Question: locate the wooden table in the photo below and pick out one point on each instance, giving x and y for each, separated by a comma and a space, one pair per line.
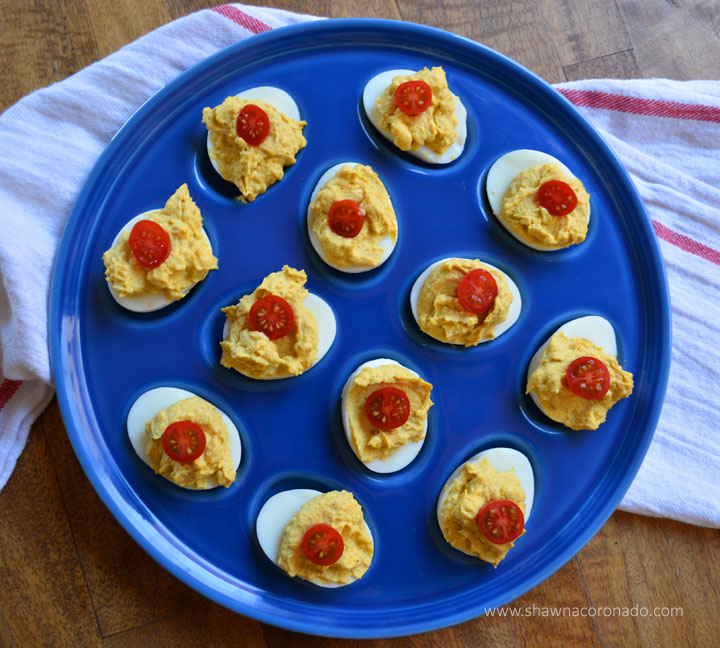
71, 576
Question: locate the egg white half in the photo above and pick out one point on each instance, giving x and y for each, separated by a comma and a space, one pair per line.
503, 172
327, 328
275, 515
150, 403
376, 87
513, 311
502, 459
406, 453
148, 302
269, 94
386, 243
593, 328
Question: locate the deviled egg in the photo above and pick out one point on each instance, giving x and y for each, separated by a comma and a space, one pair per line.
484, 505
574, 377
418, 113
279, 330
538, 200
464, 301
159, 255
350, 218
252, 137
384, 408
184, 438
320, 537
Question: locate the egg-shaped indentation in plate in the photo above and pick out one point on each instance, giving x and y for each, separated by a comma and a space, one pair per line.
386, 243
406, 453
327, 328
154, 400
501, 459
593, 328
376, 87
148, 302
275, 515
504, 170
502, 327
269, 94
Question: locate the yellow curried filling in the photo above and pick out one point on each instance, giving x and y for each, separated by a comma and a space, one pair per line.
434, 127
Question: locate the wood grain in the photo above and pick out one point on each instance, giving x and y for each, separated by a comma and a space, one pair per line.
674, 40
43, 594
565, 589
201, 623
621, 65
279, 638
42, 42
515, 29
658, 569
126, 587
568, 25
71, 576
127, 16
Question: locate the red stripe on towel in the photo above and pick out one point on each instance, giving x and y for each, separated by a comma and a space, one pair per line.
686, 243
638, 106
7, 390
241, 18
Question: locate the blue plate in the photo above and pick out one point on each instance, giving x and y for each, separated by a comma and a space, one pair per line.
104, 357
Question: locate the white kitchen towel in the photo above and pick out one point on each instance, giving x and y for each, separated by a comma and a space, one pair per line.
665, 132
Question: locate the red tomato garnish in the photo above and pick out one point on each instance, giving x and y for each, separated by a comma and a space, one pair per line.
413, 97
557, 197
501, 521
322, 544
273, 316
346, 218
588, 377
387, 408
149, 243
477, 291
183, 441
253, 124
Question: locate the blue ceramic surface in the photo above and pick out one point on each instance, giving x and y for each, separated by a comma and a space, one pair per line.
104, 357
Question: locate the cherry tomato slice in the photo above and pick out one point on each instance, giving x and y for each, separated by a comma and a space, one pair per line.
322, 544
501, 521
413, 97
588, 377
149, 243
346, 218
183, 441
557, 197
387, 408
477, 291
273, 316
252, 124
